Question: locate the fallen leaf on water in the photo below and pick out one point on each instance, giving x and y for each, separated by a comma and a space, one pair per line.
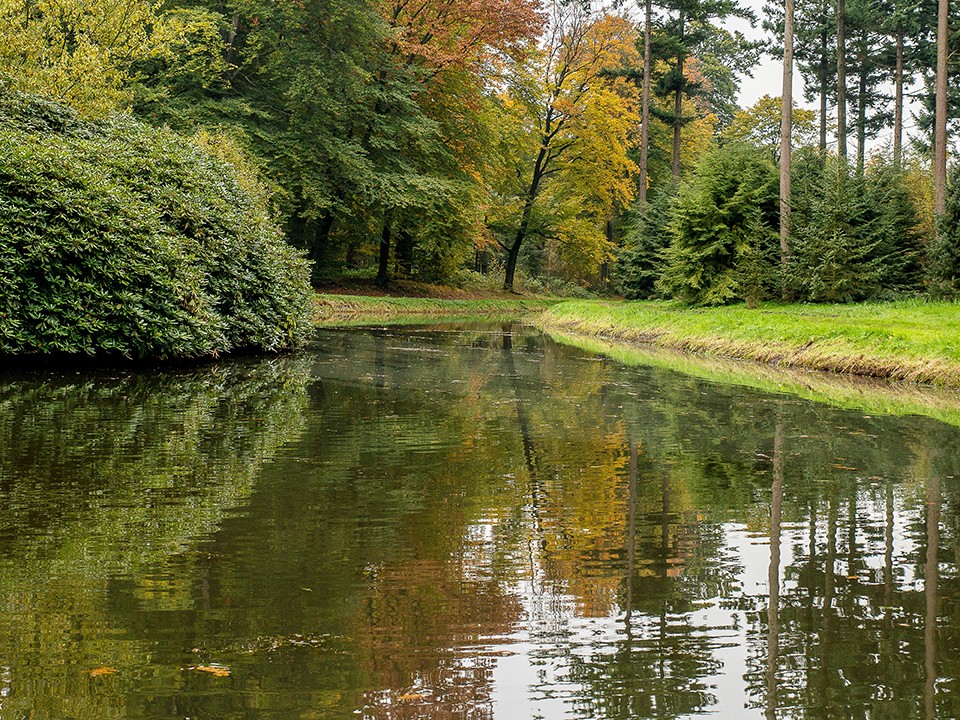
97, 672
410, 697
215, 670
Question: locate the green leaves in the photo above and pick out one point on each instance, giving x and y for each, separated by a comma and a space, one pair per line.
119, 239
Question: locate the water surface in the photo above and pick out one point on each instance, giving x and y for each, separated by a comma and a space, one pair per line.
468, 523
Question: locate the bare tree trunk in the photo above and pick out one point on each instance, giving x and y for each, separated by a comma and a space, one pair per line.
677, 124
862, 103
786, 129
824, 79
645, 106
383, 270
841, 79
898, 102
940, 122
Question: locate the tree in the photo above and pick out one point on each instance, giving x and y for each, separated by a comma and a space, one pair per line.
759, 125
722, 237
786, 131
571, 125
686, 33
79, 52
940, 123
842, 79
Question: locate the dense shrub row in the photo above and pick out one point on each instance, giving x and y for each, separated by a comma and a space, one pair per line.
856, 236
121, 239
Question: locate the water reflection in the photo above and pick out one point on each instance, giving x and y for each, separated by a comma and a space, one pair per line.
469, 523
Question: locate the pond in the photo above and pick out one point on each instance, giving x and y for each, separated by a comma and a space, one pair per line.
468, 522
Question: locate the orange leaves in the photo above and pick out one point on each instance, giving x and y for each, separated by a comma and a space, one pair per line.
102, 671
460, 33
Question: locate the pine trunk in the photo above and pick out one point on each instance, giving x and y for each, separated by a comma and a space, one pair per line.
841, 79
645, 106
940, 127
898, 103
786, 128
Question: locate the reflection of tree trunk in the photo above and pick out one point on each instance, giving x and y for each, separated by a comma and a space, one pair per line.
526, 438
888, 558
631, 533
931, 581
380, 360
828, 579
665, 522
773, 575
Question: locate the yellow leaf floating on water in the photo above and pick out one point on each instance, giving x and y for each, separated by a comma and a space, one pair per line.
100, 671
410, 697
215, 670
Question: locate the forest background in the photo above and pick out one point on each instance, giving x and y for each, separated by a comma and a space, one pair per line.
500, 143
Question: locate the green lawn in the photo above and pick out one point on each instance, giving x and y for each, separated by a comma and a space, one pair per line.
908, 340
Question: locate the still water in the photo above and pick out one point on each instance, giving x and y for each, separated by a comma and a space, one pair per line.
468, 523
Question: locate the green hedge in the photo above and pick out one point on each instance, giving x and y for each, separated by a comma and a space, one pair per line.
119, 239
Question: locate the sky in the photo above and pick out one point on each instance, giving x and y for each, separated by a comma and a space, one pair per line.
768, 75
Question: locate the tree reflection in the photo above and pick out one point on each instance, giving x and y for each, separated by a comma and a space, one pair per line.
418, 512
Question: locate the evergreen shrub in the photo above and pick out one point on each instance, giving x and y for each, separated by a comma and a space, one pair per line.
118, 239
944, 263
854, 235
723, 224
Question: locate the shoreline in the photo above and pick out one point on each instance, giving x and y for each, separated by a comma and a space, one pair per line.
908, 341
335, 309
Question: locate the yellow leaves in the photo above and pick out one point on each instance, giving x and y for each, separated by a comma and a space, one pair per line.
102, 671
760, 124
410, 697
75, 51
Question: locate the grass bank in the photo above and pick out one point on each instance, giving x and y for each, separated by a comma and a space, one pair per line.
913, 341
332, 309
868, 395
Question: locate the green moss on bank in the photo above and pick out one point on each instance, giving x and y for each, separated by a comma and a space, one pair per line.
914, 341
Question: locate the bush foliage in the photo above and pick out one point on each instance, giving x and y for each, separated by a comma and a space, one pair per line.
722, 227
120, 239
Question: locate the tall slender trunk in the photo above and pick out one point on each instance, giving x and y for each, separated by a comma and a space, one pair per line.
383, 270
678, 110
645, 105
862, 103
824, 79
677, 124
940, 121
841, 79
786, 130
513, 251
898, 102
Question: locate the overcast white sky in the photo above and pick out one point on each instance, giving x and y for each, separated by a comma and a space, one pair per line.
768, 79
768, 75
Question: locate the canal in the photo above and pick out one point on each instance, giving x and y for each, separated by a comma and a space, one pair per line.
469, 522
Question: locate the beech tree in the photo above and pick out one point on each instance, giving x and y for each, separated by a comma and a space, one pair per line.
572, 127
